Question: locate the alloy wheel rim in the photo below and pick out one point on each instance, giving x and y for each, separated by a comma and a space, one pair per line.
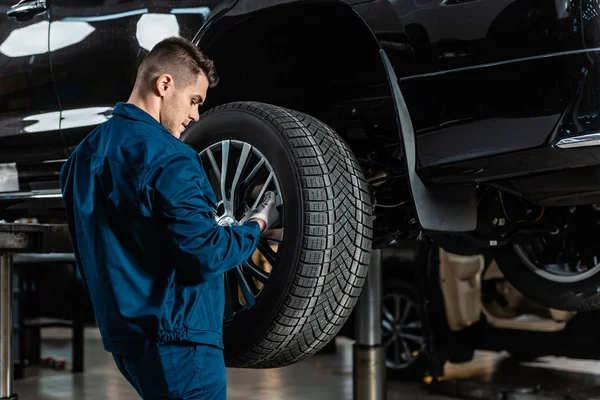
403, 335
240, 175
559, 272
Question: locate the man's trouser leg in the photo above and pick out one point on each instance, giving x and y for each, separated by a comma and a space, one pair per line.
176, 370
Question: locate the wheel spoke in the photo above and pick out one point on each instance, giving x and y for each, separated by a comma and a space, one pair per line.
413, 338
388, 315
262, 191
387, 326
413, 325
406, 350
254, 171
213, 162
252, 286
390, 340
256, 272
238, 172
267, 252
224, 162
246, 291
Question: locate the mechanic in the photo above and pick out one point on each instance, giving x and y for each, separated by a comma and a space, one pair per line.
141, 220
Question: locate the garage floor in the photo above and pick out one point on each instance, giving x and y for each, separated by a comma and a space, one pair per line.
320, 377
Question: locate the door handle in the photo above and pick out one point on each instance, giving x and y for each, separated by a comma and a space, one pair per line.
26, 10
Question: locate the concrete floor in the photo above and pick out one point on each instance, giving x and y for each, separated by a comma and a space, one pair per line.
324, 376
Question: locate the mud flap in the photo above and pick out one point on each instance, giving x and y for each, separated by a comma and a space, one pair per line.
438, 208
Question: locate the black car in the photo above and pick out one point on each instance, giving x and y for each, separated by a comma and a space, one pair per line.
472, 123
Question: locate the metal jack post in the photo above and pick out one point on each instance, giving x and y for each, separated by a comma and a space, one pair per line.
369, 354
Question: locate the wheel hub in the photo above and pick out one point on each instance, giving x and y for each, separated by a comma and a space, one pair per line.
226, 220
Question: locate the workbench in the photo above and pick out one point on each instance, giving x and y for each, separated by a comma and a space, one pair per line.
16, 239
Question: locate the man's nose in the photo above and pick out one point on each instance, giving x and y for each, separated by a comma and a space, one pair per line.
194, 115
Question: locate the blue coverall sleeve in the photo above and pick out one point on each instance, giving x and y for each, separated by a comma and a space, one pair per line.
180, 195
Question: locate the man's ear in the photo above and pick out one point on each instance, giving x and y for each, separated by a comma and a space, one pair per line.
164, 83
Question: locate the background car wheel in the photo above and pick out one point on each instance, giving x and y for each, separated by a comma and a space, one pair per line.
295, 293
553, 272
402, 332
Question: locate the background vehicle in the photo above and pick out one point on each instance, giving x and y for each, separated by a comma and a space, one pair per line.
466, 305
373, 120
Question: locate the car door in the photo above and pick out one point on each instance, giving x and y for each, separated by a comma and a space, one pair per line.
104, 42
29, 110
488, 76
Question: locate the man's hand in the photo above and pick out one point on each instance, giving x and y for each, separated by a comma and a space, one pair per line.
266, 213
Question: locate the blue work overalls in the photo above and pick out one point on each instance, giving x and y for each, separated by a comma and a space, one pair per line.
151, 254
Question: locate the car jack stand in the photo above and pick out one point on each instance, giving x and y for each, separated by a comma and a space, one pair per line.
369, 380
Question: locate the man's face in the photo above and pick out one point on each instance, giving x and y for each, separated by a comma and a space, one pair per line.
180, 105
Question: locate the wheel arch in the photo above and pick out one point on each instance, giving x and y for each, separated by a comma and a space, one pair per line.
307, 56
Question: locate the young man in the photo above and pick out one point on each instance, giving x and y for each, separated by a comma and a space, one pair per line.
144, 235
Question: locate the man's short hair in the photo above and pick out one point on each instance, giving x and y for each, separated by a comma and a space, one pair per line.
181, 59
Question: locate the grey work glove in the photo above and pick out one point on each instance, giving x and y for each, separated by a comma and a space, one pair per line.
266, 211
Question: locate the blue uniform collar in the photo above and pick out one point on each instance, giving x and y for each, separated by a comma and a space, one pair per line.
132, 111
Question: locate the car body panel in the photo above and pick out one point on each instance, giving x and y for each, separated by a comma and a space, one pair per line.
490, 85
495, 78
29, 109
96, 48
98, 70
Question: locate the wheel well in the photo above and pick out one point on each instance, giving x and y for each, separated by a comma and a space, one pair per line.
321, 59
297, 56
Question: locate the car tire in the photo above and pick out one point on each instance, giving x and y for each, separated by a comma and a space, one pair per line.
581, 295
322, 261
